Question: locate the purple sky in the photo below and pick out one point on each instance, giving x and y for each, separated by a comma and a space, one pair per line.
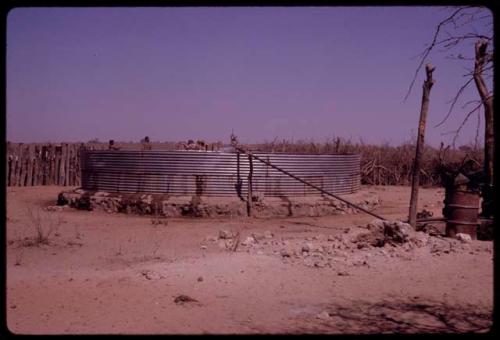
304, 73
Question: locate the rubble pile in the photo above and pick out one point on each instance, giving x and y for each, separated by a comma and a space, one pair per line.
378, 239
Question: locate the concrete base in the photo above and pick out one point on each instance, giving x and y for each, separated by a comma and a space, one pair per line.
200, 206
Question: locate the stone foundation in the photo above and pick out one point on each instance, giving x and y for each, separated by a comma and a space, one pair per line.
200, 206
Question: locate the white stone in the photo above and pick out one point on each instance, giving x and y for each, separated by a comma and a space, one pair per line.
324, 315
248, 241
464, 238
225, 234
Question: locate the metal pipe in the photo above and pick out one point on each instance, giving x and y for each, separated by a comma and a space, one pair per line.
309, 184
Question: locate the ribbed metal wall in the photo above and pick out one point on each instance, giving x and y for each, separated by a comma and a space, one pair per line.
216, 173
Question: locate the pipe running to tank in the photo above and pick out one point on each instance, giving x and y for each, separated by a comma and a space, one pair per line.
240, 149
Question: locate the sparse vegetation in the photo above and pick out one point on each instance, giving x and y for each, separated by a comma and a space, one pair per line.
19, 257
42, 233
384, 164
381, 164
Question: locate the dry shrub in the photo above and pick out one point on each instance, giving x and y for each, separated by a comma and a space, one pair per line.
384, 164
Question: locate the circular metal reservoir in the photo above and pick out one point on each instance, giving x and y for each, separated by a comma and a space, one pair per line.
217, 173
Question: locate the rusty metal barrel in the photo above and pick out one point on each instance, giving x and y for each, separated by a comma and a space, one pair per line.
461, 212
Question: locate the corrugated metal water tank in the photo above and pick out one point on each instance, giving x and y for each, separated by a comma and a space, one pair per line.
216, 173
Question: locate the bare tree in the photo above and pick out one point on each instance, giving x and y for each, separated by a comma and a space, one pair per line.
469, 24
420, 144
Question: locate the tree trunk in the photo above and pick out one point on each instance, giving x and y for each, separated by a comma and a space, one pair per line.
482, 57
420, 144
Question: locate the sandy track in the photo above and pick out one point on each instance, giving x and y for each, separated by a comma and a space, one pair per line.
114, 273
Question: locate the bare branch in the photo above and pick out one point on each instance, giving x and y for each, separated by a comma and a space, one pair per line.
454, 101
431, 46
462, 16
478, 109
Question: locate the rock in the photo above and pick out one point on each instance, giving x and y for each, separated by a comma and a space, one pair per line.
320, 264
181, 299
464, 238
307, 247
398, 232
200, 278
257, 236
225, 234
419, 239
203, 247
331, 238
362, 245
342, 273
221, 244
324, 315
248, 241
150, 275
309, 262
268, 234
285, 253
56, 207
211, 239
424, 214
61, 199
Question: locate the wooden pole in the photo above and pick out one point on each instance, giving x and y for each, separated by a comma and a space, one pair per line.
52, 162
61, 165
249, 191
71, 164
66, 164
19, 161
29, 177
36, 162
481, 59
11, 163
420, 144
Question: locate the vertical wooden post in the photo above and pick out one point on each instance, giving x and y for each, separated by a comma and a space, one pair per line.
249, 191
71, 166
420, 144
35, 165
61, 165
51, 162
29, 177
66, 164
77, 164
19, 161
10, 161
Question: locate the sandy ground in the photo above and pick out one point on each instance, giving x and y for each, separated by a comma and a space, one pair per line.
96, 272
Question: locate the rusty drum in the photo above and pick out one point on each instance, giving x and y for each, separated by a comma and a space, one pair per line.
461, 212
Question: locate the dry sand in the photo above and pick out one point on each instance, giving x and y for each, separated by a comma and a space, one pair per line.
104, 273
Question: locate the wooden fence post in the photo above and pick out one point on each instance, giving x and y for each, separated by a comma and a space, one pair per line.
66, 165
249, 191
62, 154
420, 145
12, 164
35, 166
29, 177
52, 162
18, 164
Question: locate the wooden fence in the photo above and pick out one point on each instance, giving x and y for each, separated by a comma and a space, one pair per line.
30, 164
44, 164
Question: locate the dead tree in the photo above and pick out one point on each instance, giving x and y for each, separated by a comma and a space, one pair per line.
420, 144
470, 24
482, 57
